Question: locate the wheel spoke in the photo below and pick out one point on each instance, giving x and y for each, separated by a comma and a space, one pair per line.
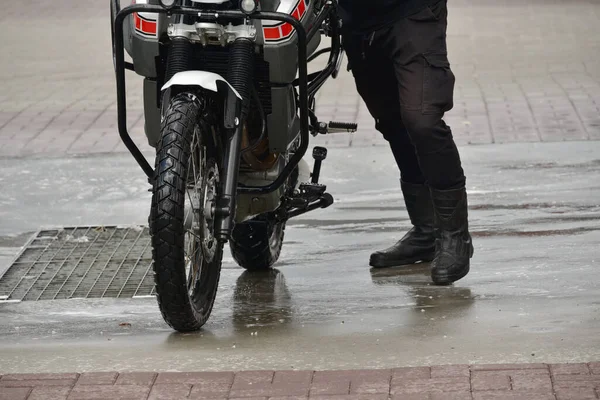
194, 235
195, 185
192, 260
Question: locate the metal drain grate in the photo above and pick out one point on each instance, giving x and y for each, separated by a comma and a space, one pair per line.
82, 262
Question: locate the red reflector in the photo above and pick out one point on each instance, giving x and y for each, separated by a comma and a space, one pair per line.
301, 8
138, 21
286, 29
149, 27
272, 33
296, 13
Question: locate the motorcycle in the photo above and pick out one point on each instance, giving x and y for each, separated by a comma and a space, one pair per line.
229, 107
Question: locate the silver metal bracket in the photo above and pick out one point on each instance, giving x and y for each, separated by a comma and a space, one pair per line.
210, 33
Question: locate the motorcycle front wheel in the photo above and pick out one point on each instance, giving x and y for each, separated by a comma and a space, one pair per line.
186, 256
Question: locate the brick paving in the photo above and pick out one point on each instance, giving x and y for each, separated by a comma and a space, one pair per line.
447, 382
526, 71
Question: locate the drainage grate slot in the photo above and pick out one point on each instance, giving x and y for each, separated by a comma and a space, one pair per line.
82, 262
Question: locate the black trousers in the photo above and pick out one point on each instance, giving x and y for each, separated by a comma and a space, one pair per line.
403, 75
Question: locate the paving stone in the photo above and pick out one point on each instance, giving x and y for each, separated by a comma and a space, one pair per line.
575, 381
210, 389
170, 391
511, 395
500, 367
113, 392
256, 398
352, 397
37, 382
347, 375
435, 396
97, 378
246, 379
196, 378
451, 384
331, 387
212, 397
9, 393
570, 369
410, 373
271, 384
440, 371
271, 391
490, 380
136, 378
366, 385
50, 393
531, 382
295, 377
575, 394
29, 377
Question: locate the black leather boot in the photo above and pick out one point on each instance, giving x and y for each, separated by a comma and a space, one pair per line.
419, 243
454, 247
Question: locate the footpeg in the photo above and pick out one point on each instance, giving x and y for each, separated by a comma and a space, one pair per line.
333, 127
336, 127
312, 191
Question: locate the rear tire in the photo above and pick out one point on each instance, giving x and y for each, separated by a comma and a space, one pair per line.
256, 244
187, 258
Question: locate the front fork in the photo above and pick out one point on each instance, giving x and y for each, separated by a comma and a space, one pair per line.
239, 75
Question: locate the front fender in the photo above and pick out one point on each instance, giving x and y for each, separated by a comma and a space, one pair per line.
204, 79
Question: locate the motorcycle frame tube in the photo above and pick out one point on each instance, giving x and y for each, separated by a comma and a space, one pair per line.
334, 56
212, 16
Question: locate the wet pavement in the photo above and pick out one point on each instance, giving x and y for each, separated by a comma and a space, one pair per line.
532, 295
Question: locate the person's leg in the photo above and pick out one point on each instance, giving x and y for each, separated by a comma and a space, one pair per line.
426, 88
375, 80
376, 83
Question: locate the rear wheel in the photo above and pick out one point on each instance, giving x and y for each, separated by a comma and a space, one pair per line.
256, 244
187, 257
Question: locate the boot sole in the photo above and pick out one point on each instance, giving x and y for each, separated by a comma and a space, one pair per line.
399, 263
442, 280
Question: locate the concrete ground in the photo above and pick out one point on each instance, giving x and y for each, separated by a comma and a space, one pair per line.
528, 94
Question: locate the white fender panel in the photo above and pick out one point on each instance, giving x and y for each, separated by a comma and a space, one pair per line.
204, 79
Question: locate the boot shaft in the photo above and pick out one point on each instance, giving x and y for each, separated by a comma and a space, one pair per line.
417, 198
450, 209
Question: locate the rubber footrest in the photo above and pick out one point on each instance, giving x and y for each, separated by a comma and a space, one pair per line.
342, 126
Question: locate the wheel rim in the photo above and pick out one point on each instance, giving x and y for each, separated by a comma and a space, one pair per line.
200, 244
